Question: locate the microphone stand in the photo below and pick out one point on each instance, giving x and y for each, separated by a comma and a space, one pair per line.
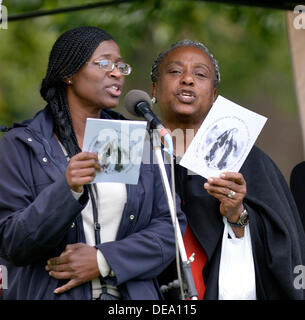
186, 263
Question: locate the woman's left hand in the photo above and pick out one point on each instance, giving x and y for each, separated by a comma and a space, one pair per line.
230, 189
78, 263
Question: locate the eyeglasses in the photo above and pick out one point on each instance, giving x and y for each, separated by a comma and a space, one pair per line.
108, 65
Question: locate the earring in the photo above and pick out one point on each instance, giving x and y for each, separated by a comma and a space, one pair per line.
69, 81
153, 100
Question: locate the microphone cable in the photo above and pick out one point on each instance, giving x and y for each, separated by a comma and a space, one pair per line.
178, 266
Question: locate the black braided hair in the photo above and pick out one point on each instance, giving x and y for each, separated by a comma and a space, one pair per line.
70, 51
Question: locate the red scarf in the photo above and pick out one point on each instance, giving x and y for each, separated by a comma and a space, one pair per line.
192, 245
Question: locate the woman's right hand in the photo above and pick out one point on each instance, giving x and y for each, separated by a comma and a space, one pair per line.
81, 170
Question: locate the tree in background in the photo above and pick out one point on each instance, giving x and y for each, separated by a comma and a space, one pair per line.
250, 44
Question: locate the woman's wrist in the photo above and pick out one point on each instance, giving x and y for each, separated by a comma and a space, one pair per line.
233, 218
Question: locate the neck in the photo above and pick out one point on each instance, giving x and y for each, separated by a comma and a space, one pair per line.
183, 132
79, 117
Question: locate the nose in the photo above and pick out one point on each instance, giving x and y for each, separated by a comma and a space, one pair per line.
187, 79
115, 72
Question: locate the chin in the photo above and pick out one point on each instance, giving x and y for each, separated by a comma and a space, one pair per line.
185, 110
109, 104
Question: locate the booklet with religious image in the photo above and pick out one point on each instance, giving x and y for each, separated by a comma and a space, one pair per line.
119, 145
224, 139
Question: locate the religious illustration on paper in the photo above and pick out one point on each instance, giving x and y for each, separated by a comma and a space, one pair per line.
224, 139
119, 146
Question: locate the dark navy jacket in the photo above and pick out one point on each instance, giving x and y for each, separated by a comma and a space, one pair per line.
39, 216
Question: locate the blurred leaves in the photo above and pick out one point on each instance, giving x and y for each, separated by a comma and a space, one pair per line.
249, 43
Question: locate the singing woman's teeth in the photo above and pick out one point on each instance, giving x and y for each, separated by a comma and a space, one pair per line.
186, 96
114, 90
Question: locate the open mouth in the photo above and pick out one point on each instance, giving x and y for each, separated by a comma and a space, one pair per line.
186, 96
114, 90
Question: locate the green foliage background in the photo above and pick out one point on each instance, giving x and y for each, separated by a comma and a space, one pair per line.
250, 44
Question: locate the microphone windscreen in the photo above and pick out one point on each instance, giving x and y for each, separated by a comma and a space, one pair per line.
133, 97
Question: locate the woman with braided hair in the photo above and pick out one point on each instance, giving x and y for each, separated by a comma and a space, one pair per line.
60, 236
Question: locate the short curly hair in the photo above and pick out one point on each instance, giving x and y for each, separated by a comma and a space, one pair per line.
184, 43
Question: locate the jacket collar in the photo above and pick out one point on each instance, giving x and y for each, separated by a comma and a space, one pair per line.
42, 123
38, 134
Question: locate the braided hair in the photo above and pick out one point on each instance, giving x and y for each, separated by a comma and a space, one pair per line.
69, 53
184, 43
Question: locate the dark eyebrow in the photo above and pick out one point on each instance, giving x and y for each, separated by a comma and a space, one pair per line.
196, 65
107, 56
202, 65
174, 62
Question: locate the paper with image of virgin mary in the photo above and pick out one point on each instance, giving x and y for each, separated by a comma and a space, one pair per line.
224, 139
119, 146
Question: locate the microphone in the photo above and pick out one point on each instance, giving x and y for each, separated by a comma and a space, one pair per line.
138, 103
